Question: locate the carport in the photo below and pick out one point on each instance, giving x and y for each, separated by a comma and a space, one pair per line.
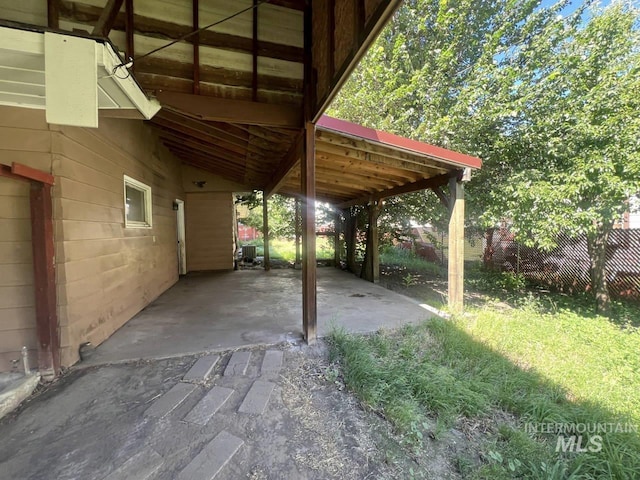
337, 162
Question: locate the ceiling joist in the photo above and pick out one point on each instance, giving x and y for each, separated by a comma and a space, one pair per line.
107, 18
233, 111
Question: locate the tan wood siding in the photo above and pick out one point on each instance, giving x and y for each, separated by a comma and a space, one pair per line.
24, 138
106, 272
17, 317
209, 231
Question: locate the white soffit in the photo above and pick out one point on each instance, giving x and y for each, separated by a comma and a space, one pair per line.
55, 74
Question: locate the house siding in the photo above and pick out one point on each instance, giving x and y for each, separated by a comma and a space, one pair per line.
24, 138
209, 231
105, 273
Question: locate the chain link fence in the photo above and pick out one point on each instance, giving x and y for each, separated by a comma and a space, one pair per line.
567, 267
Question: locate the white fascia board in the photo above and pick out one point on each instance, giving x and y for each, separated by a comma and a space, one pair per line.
21, 41
110, 61
22, 61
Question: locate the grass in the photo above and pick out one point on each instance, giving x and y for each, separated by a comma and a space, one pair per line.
542, 359
285, 249
407, 260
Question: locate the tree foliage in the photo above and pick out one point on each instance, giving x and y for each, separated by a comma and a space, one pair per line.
549, 102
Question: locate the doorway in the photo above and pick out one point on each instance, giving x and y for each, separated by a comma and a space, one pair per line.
182, 250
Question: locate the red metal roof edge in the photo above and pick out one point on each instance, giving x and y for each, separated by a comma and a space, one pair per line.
396, 141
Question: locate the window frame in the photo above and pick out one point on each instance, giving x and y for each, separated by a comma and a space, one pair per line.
148, 203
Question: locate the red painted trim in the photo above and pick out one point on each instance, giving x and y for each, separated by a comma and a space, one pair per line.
397, 142
5, 171
28, 173
44, 278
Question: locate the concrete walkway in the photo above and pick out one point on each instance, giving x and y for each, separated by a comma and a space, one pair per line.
208, 312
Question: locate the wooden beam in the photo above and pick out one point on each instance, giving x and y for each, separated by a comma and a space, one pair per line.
5, 171
189, 133
291, 4
359, 19
444, 200
362, 182
344, 143
338, 162
207, 148
288, 163
53, 14
372, 29
129, 29
423, 184
265, 231
107, 18
331, 44
309, 86
254, 53
177, 70
233, 111
196, 46
29, 173
309, 299
44, 280
456, 245
421, 166
158, 28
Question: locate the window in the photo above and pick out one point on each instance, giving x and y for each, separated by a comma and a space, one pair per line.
137, 204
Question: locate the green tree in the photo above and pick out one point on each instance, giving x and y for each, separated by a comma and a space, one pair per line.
570, 103
549, 102
281, 215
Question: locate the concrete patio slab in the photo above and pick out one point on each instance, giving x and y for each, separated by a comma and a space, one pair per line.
212, 312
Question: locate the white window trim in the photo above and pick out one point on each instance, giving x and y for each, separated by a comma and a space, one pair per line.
148, 201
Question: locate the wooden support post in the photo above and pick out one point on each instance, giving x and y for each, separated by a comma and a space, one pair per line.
371, 267
265, 230
309, 300
53, 14
350, 237
298, 229
337, 227
44, 280
456, 244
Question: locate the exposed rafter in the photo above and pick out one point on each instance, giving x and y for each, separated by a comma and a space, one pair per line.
288, 163
196, 46
107, 18
53, 13
161, 28
233, 111
423, 184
